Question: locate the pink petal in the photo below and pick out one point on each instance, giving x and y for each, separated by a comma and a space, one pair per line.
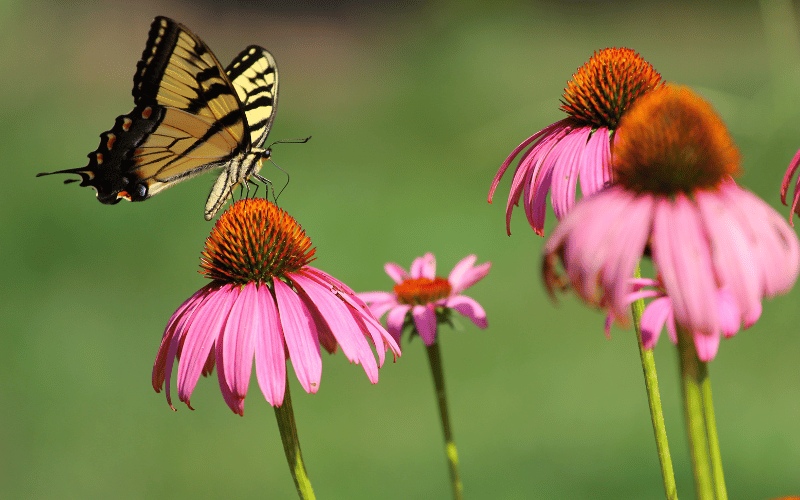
774, 243
300, 335
595, 170
203, 331
382, 308
425, 322
397, 273
731, 239
468, 307
380, 337
729, 314
175, 325
341, 323
378, 297
270, 350
524, 170
424, 267
464, 275
706, 345
682, 256
235, 403
653, 319
395, 320
238, 342
566, 163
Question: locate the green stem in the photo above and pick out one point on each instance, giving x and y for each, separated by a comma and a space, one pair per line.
713, 441
435, 360
693, 375
654, 400
291, 446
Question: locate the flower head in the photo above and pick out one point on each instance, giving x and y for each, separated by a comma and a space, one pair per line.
427, 297
264, 303
596, 98
717, 248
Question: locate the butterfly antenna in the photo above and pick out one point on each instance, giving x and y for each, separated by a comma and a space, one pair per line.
290, 141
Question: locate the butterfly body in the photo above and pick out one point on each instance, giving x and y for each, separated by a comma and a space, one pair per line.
190, 116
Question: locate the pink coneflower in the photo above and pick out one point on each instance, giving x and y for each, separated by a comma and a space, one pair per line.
265, 302
717, 248
576, 147
428, 297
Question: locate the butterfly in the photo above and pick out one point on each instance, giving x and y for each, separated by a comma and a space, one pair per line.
190, 116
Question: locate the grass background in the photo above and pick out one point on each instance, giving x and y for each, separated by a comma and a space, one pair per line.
412, 108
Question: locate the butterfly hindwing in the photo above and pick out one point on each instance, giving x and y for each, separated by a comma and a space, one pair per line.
255, 77
189, 117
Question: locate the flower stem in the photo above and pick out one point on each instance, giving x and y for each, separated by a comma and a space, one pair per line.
654, 400
693, 375
291, 446
713, 442
435, 360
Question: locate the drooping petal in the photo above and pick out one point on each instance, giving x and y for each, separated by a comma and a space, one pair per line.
270, 350
464, 275
175, 325
238, 341
397, 273
336, 314
681, 255
469, 307
526, 168
653, 319
595, 170
203, 331
774, 243
300, 335
395, 320
370, 325
706, 345
425, 322
235, 403
729, 315
565, 164
731, 240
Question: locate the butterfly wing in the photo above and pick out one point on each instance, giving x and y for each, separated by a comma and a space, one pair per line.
188, 118
254, 76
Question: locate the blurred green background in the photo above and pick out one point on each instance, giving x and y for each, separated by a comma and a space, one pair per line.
412, 108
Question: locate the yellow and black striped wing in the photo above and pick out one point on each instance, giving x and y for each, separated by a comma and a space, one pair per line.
188, 118
255, 77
